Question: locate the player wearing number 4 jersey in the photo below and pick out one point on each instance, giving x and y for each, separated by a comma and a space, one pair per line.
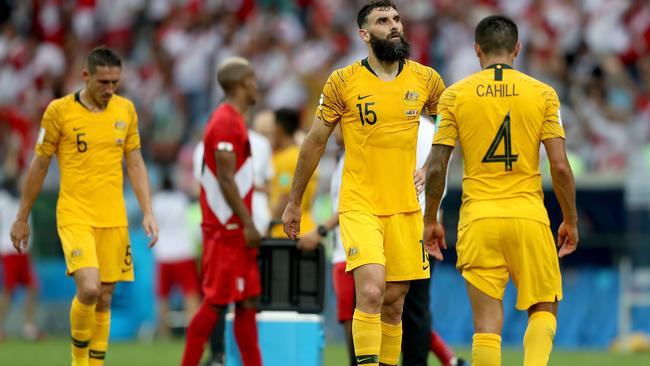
91, 132
377, 102
501, 116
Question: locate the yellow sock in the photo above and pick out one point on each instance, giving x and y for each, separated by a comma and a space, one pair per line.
486, 349
538, 340
366, 332
391, 343
99, 341
82, 321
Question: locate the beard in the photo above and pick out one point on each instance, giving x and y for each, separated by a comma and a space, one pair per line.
388, 50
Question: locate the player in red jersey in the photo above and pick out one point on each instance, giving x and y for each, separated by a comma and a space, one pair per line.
230, 272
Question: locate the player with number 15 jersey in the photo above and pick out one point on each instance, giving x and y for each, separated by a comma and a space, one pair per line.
379, 121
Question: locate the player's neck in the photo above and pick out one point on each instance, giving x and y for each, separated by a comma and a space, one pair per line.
492, 60
385, 70
239, 105
90, 103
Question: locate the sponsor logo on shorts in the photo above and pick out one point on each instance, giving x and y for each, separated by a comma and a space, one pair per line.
75, 253
240, 284
353, 252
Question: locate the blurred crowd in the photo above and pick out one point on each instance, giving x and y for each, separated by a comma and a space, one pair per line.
595, 53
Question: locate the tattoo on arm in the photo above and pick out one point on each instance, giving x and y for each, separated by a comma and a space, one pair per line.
436, 179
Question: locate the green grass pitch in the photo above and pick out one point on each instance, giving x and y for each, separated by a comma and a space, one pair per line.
55, 352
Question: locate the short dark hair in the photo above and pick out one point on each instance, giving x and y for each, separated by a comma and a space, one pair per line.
496, 34
102, 57
288, 119
362, 16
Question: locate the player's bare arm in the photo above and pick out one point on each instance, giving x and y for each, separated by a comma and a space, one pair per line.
226, 162
434, 235
30, 190
310, 153
565, 191
139, 179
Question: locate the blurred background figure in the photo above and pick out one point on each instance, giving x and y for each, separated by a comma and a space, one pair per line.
285, 158
263, 174
16, 268
176, 257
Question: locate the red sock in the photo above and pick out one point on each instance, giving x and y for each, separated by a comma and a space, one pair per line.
246, 335
442, 351
198, 333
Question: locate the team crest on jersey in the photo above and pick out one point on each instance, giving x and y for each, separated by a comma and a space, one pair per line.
411, 95
120, 125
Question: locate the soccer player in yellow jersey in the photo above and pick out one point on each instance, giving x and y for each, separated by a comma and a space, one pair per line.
91, 131
377, 102
501, 117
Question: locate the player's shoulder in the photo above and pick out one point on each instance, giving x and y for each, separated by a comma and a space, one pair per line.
344, 74
536, 84
59, 105
123, 102
422, 71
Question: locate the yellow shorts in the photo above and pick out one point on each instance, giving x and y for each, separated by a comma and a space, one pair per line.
490, 249
108, 249
393, 241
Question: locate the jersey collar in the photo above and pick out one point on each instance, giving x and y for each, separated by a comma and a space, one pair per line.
366, 64
499, 66
498, 70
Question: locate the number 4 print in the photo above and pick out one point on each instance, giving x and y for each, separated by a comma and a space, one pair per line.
508, 157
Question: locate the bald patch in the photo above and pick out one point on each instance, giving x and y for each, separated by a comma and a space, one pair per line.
232, 72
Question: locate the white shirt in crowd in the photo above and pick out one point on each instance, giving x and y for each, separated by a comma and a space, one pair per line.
175, 241
9, 206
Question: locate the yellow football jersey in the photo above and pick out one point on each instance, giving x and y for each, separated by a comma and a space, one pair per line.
500, 116
284, 164
90, 147
379, 120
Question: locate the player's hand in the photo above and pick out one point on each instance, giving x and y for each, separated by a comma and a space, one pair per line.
309, 241
20, 235
291, 220
151, 229
434, 240
567, 238
419, 177
252, 236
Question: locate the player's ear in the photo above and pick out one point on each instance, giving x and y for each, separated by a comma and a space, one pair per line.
477, 49
364, 34
517, 49
85, 74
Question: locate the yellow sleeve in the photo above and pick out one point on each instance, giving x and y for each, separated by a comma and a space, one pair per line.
435, 86
50, 132
552, 126
132, 135
446, 126
331, 104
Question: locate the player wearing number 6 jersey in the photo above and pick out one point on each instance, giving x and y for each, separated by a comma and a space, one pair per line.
501, 116
377, 102
91, 132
